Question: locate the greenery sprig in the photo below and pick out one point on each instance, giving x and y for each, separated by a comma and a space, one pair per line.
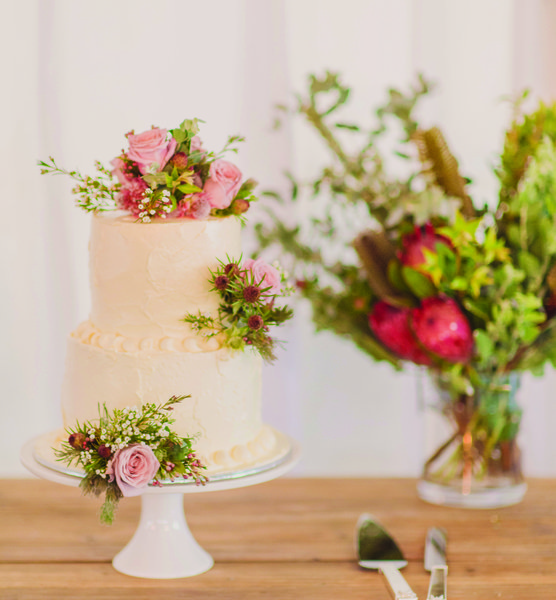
99, 447
248, 308
93, 194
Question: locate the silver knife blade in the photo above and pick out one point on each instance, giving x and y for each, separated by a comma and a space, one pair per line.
435, 548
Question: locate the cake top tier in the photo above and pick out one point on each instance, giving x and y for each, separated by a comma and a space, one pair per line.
146, 278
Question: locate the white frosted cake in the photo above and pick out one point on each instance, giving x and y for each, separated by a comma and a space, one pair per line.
135, 348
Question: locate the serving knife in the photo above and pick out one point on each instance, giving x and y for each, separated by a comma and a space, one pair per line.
435, 562
376, 549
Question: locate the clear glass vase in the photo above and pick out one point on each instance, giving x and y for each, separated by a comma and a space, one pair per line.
473, 456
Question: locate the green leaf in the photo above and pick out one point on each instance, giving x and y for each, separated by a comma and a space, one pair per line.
179, 135
189, 188
394, 272
419, 284
484, 342
529, 263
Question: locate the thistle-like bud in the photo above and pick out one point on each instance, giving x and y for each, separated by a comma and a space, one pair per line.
255, 322
179, 160
221, 282
104, 451
231, 270
251, 293
76, 440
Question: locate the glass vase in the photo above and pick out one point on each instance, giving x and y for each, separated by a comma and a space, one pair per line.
473, 456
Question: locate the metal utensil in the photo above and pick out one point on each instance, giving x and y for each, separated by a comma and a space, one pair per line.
377, 550
435, 562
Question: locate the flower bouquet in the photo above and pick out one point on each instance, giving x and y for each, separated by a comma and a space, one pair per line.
164, 174
411, 270
124, 450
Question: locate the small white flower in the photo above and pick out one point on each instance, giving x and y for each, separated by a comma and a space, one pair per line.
153, 212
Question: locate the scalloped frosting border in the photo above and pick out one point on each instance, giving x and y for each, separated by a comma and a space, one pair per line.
87, 333
261, 445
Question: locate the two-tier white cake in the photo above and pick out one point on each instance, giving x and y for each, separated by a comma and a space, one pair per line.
135, 348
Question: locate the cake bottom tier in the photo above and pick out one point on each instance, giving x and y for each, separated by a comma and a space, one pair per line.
223, 412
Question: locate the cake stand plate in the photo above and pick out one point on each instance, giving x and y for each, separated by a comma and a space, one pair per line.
163, 547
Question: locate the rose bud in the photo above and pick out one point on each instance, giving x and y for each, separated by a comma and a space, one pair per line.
76, 440
412, 254
255, 322
443, 329
239, 206
231, 270
104, 451
391, 326
251, 293
221, 282
179, 160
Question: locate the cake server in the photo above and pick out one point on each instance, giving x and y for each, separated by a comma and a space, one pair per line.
435, 562
377, 550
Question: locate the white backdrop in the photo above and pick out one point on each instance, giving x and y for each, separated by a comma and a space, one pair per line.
76, 76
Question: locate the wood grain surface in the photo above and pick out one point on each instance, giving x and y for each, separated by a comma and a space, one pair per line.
290, 538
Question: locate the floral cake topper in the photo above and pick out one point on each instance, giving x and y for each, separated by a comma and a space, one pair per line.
125, 450
164, 173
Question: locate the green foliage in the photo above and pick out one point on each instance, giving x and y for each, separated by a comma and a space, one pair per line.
499, 266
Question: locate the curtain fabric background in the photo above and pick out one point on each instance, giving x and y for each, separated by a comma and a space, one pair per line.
77, 76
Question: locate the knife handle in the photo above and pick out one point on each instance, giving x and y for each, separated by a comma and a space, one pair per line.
399, 587
437, 586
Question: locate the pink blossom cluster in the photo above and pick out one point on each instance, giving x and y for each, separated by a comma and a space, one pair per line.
437, 328
150, 152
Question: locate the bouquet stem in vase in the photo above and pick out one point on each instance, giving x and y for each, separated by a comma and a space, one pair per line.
473, 460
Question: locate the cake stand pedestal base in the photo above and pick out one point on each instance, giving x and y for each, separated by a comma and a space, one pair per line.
162, 547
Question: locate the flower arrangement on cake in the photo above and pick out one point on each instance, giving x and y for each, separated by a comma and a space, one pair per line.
126, 449
164, 174
413, 272
249, 292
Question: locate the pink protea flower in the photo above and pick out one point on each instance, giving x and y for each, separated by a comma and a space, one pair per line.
391, 326
131, 194
442, 328
413, 244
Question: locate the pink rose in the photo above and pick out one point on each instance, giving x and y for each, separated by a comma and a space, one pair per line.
223, 183
199, 207
133, 467
120, 170
265, 274
196, 145
151, 148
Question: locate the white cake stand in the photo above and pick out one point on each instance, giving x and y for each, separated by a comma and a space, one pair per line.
163, 547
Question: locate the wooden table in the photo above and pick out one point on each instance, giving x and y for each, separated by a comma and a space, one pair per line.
287, 539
